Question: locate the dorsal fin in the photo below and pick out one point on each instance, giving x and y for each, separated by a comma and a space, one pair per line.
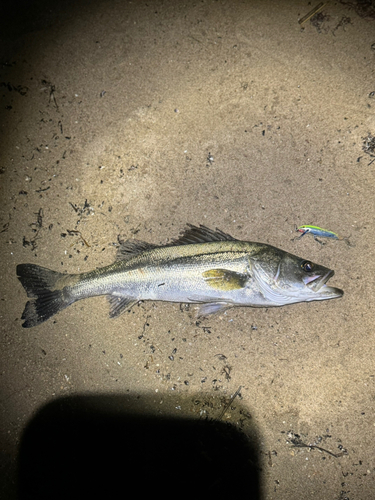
193, 234
201, 234
129, 248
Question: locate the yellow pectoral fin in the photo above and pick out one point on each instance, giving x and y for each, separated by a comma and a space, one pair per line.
225, 280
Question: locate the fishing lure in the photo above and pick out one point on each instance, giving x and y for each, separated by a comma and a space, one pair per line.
318, 231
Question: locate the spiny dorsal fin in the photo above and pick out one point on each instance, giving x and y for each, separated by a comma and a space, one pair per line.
201, 234
129, 248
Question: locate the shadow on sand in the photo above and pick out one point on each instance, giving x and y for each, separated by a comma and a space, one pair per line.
110, 447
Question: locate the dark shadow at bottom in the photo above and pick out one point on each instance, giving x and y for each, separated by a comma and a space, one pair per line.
77, 446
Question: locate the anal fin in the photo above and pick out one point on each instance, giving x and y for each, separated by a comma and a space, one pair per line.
118, 305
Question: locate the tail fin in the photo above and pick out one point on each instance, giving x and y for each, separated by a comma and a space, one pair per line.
39, 284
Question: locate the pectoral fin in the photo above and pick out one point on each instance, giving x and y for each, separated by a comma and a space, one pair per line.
223, 279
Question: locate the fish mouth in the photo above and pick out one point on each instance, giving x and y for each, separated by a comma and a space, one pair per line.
318, 284
316, 281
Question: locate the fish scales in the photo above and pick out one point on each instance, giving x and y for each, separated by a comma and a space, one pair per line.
203, 266
165, 273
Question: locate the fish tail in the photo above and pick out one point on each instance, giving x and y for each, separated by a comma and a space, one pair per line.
39, 284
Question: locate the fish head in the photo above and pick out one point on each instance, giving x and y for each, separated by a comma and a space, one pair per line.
285, 278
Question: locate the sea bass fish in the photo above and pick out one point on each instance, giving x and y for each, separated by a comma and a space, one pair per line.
202, 266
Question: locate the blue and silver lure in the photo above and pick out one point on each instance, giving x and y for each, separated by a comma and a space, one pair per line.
318, 231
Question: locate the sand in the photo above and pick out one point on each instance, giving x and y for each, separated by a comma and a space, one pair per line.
131, 119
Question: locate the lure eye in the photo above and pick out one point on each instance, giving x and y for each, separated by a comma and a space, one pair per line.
307, 266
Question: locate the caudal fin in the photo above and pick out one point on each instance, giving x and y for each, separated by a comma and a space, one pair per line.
39, 284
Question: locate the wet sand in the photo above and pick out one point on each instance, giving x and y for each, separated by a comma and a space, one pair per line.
131, 119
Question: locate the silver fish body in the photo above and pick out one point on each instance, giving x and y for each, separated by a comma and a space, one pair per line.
204, 267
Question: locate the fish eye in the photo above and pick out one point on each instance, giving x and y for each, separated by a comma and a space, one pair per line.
307, 266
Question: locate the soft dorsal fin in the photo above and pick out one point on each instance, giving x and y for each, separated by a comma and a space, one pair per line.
129, 248
201, 234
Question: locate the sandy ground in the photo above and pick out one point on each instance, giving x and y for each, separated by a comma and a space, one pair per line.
134, 118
